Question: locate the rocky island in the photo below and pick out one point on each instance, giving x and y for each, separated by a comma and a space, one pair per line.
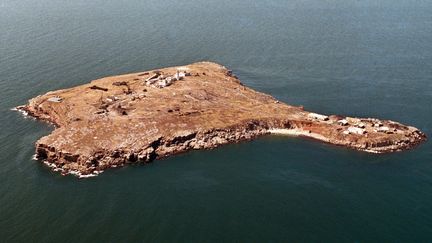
140, 117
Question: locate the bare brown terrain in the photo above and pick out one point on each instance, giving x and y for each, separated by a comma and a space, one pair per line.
136, 118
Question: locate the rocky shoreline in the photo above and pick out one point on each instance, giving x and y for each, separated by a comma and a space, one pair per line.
137, 118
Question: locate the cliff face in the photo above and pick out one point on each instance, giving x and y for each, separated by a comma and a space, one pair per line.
136, 118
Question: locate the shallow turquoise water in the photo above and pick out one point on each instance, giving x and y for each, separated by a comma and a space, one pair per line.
359, 58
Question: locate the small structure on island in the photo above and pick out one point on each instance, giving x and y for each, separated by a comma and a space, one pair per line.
378, 124
355, 130
318, 117
383, 129
55, 99
343, 122
360, 125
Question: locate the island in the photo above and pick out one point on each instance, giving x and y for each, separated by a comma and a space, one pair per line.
140, 117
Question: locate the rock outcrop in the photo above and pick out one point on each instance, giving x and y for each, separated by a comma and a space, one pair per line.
140, 117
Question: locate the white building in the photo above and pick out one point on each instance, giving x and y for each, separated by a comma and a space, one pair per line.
356, 130
318, 116
343, 122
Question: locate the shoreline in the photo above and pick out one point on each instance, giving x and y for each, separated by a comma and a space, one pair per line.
295, 132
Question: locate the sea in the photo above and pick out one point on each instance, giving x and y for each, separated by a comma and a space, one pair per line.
363, 58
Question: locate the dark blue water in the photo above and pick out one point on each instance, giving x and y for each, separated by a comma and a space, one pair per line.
359, 58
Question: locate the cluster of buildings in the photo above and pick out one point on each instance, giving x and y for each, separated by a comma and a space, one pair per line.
355, 125
359, 127
160, 81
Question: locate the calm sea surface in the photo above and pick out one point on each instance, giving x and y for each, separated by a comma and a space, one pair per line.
361, 58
